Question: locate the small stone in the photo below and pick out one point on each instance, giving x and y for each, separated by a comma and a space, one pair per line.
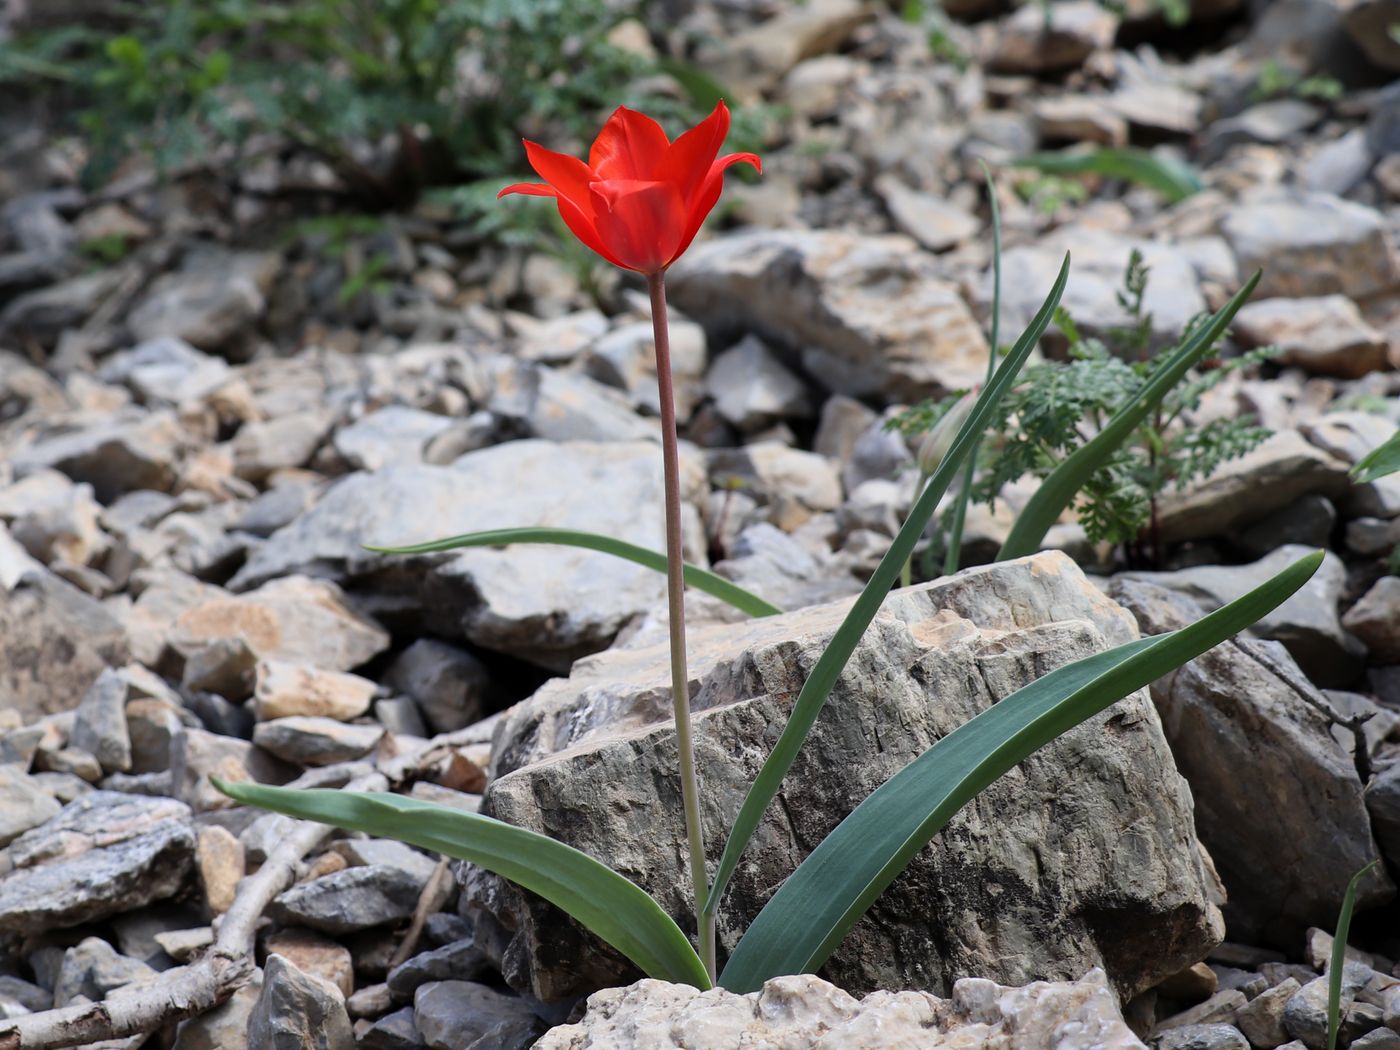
358, 898
752, 389
450, 685
460, 961
92, 968
393, 434
1190, 985
1261, 1019
1202, 1037
297, 1011
312, 741
933, 221
369, 1001
458, 1015
220, 862
165, 371
1377, 1039
1059, 37
197, 755
1325, 335
24, 804
1305, 1014
360, 852
316, 955
100, 725
395, 1031
1220, 1008
226, 1026
284, 443
768, 470
69, 761
1375, 619
183, 945
284, 689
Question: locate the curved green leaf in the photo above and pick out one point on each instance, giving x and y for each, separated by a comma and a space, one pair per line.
616, 909
809, 915
1174, 180
1338, 962
843, 643
1382, 460
701, 579
1058, 490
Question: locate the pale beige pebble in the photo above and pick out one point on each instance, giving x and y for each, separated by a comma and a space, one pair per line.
1261, 1019
183, 945
283, 689
316, 954
1190, 985
220, 861
327, 863
370, 1001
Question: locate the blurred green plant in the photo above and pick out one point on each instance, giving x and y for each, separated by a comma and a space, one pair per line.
1175, 180
1277, 80
394, 95
1054, 414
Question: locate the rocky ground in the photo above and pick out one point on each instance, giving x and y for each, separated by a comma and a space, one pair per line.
196, 442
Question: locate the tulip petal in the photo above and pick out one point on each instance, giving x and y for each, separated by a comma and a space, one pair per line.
630, 146
708, 196
568, 175
687, 162
528, 189
581, 226
640, 222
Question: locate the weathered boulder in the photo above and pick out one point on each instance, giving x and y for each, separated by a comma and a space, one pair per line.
869, 315
103, 854
1278, 801
806, 1012
545, 604
1031, 879
1308, 624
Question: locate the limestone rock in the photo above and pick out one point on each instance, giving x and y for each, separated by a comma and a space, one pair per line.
1250, 487
1350, 436
762, 54
449, 684
214, 299
392, 434
102, 855
1325, 335
869, 315
226, 1026
100, 726
806, 1012
349, 900
220, 862
318, 956
464, 1015
752, 388
116, 453
1062, 36
1311, 244
165, 371
52, 518
285, 689
24, 804
977, 901
196, 755
296, 1011
1277, 800
545, 604
933, 221
316, 741
1375, 619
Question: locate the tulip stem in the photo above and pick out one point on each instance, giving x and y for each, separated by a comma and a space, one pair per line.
675, 591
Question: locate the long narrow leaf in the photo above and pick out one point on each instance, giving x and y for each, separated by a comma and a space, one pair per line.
1339, 956
616, 909
809, 915
1382, 460
1058, 490
700, 579
843, 643
1174, 180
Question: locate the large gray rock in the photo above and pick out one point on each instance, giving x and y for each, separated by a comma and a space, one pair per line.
464, 1015
1325, 335
349, 900
103, 854
869, 315
114, 452
1278, 801
1311, 244
806, 1012
1019, 884
1308, 624
545, 604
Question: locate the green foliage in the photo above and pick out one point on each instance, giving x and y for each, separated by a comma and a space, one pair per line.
1337, 963
1059, 405
1176, 12
1382, 460
1277, 80
451, 84
1175, 180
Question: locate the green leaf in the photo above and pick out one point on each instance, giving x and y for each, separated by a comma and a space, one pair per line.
843, 643
616, 909
1380, 461
810, 914
701, 579
1339, 956
1174, 180
1064, 483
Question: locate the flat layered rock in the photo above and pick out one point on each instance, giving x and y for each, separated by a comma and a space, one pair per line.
1014, 887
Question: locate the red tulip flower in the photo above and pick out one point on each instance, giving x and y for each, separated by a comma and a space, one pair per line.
639, 202
640, 199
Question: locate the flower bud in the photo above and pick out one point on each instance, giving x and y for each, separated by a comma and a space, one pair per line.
939, 438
